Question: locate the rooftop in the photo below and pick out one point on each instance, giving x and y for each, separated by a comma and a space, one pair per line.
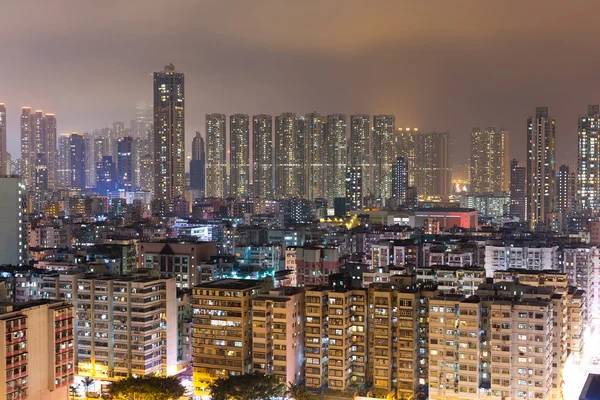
236, 284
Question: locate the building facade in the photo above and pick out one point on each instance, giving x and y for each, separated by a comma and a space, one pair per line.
169, 134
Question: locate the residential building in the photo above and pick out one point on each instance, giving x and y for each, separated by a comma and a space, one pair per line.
38, 350
432, 164
541, 168
169, 134
262, 142
518, 190
384, 156
336, 157
126, 326
13, 234
289, 155
489, 160
278, 334
239, 145
4, 164
588, 161
180, 261
198, 164
216, 156
222, 330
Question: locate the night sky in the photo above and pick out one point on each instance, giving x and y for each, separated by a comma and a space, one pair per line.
437, 65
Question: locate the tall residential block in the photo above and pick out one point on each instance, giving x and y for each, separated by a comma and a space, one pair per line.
336, 157
63, 172
354, 187
405, 147
566, 191
216, 156
198, 164
489, 160
541, 169
262, 146
433, 164
400, 179
361, 150
315, 149
383, 153
518, 190
289, 152
77, 160
51, 149
169, 134
27, 149
239, 156
588, 160
4, 165
125, 163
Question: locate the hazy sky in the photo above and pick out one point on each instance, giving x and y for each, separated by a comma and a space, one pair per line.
437, 65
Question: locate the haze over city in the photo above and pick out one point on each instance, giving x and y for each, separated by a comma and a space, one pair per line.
436, 65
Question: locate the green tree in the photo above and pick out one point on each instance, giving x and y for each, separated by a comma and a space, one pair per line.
300, 392
254, 386
147, 388
87, 382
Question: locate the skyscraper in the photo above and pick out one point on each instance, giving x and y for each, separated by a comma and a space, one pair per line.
354, 185
147, 173
518, 190
77, 160
125, 163
239, 156
383, 155
336, 157
360, 149
51, 150
566, 189
63, 173
541, 169
262, 147
489, 160
588, 160
169, 134
106, 175
216, 156
433, 164
4, 166
400, 180
198, 164
315, 150
289, 149
405, 147
27, 149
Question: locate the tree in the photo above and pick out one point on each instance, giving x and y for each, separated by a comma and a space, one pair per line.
254, 386
73, 389
300, 392
147, 388
87, 382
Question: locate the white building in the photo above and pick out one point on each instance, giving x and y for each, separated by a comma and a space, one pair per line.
530, 257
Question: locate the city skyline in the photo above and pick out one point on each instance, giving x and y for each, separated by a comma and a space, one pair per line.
476, 65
